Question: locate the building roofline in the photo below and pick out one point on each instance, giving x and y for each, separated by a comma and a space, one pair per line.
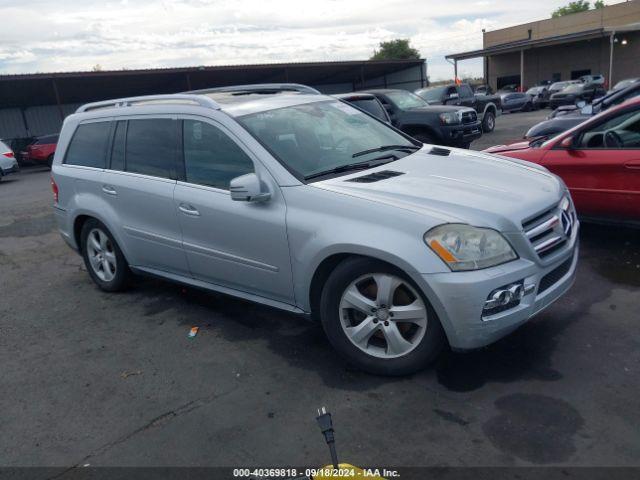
525, 44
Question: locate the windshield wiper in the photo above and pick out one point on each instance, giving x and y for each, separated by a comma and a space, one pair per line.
354, 166
383, 148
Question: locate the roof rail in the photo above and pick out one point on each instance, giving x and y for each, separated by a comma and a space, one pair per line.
261, 88
169, 98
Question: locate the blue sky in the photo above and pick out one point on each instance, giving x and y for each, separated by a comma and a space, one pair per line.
67, 35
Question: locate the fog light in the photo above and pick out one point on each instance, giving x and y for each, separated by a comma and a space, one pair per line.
503, 298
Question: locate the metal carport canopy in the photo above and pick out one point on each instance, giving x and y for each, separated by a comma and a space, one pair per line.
25, 90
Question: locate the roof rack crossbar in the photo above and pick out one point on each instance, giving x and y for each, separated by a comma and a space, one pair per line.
201, 100
261, 87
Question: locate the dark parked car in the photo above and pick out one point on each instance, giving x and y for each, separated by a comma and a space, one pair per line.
512, 87
575, 116
486, 106
539, 96
438, 124
515, 102
575, 93
367, 102
41, 151
559, 86
614, 97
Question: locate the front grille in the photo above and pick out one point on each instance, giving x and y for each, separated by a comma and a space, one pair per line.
469, 117
542, 232
375, 177
550, 230
551, 278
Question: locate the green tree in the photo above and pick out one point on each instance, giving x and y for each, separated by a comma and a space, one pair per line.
576, 7
395, 50
598, 4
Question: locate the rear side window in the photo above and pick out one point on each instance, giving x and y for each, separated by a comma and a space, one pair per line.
210, 157
151, 147
88, 146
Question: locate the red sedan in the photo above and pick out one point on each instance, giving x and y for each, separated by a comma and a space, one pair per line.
599, 160
41, 151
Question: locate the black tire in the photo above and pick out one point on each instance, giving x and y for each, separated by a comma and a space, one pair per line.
425, 138
527, 107
122, 274
50, 161
428, 348
488, 121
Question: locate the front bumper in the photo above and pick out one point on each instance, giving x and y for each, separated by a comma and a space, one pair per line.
460, 135
459, 297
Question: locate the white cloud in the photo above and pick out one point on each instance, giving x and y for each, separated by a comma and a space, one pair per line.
48, 35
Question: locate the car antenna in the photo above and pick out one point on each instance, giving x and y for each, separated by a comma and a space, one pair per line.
326, 426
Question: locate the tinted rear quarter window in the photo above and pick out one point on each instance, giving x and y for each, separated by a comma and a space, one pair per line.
88, 146
151, 147
370, 105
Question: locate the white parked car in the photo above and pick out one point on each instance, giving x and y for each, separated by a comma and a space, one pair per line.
8, 162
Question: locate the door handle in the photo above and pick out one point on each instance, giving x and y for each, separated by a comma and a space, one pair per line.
633, 165
109, 190
188, 210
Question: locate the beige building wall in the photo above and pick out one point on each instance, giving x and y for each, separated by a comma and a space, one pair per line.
610, 16
541, 63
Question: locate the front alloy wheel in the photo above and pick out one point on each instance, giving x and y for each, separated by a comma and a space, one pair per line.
382, 315
376, 317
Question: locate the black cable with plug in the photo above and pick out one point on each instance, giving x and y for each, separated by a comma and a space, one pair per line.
326, 426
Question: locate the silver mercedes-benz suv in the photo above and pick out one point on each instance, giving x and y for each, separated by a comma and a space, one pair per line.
283, 196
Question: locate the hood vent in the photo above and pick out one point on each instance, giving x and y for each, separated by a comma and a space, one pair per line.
443, 152
376, 177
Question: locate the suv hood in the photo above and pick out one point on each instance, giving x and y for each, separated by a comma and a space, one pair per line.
466, 187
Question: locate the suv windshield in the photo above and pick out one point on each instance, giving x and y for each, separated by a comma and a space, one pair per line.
406, 100
432, 94
318, 137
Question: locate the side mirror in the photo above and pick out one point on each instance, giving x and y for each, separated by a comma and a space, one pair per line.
247, 188
568, 142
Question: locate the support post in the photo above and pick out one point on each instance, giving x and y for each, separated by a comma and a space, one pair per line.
455, 70
58, 102
612, 41
522, 70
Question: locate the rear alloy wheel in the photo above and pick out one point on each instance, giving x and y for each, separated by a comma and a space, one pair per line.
376, 317
103, 258
488, 122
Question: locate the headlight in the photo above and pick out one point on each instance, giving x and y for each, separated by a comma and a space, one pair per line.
449, 118
463, 247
